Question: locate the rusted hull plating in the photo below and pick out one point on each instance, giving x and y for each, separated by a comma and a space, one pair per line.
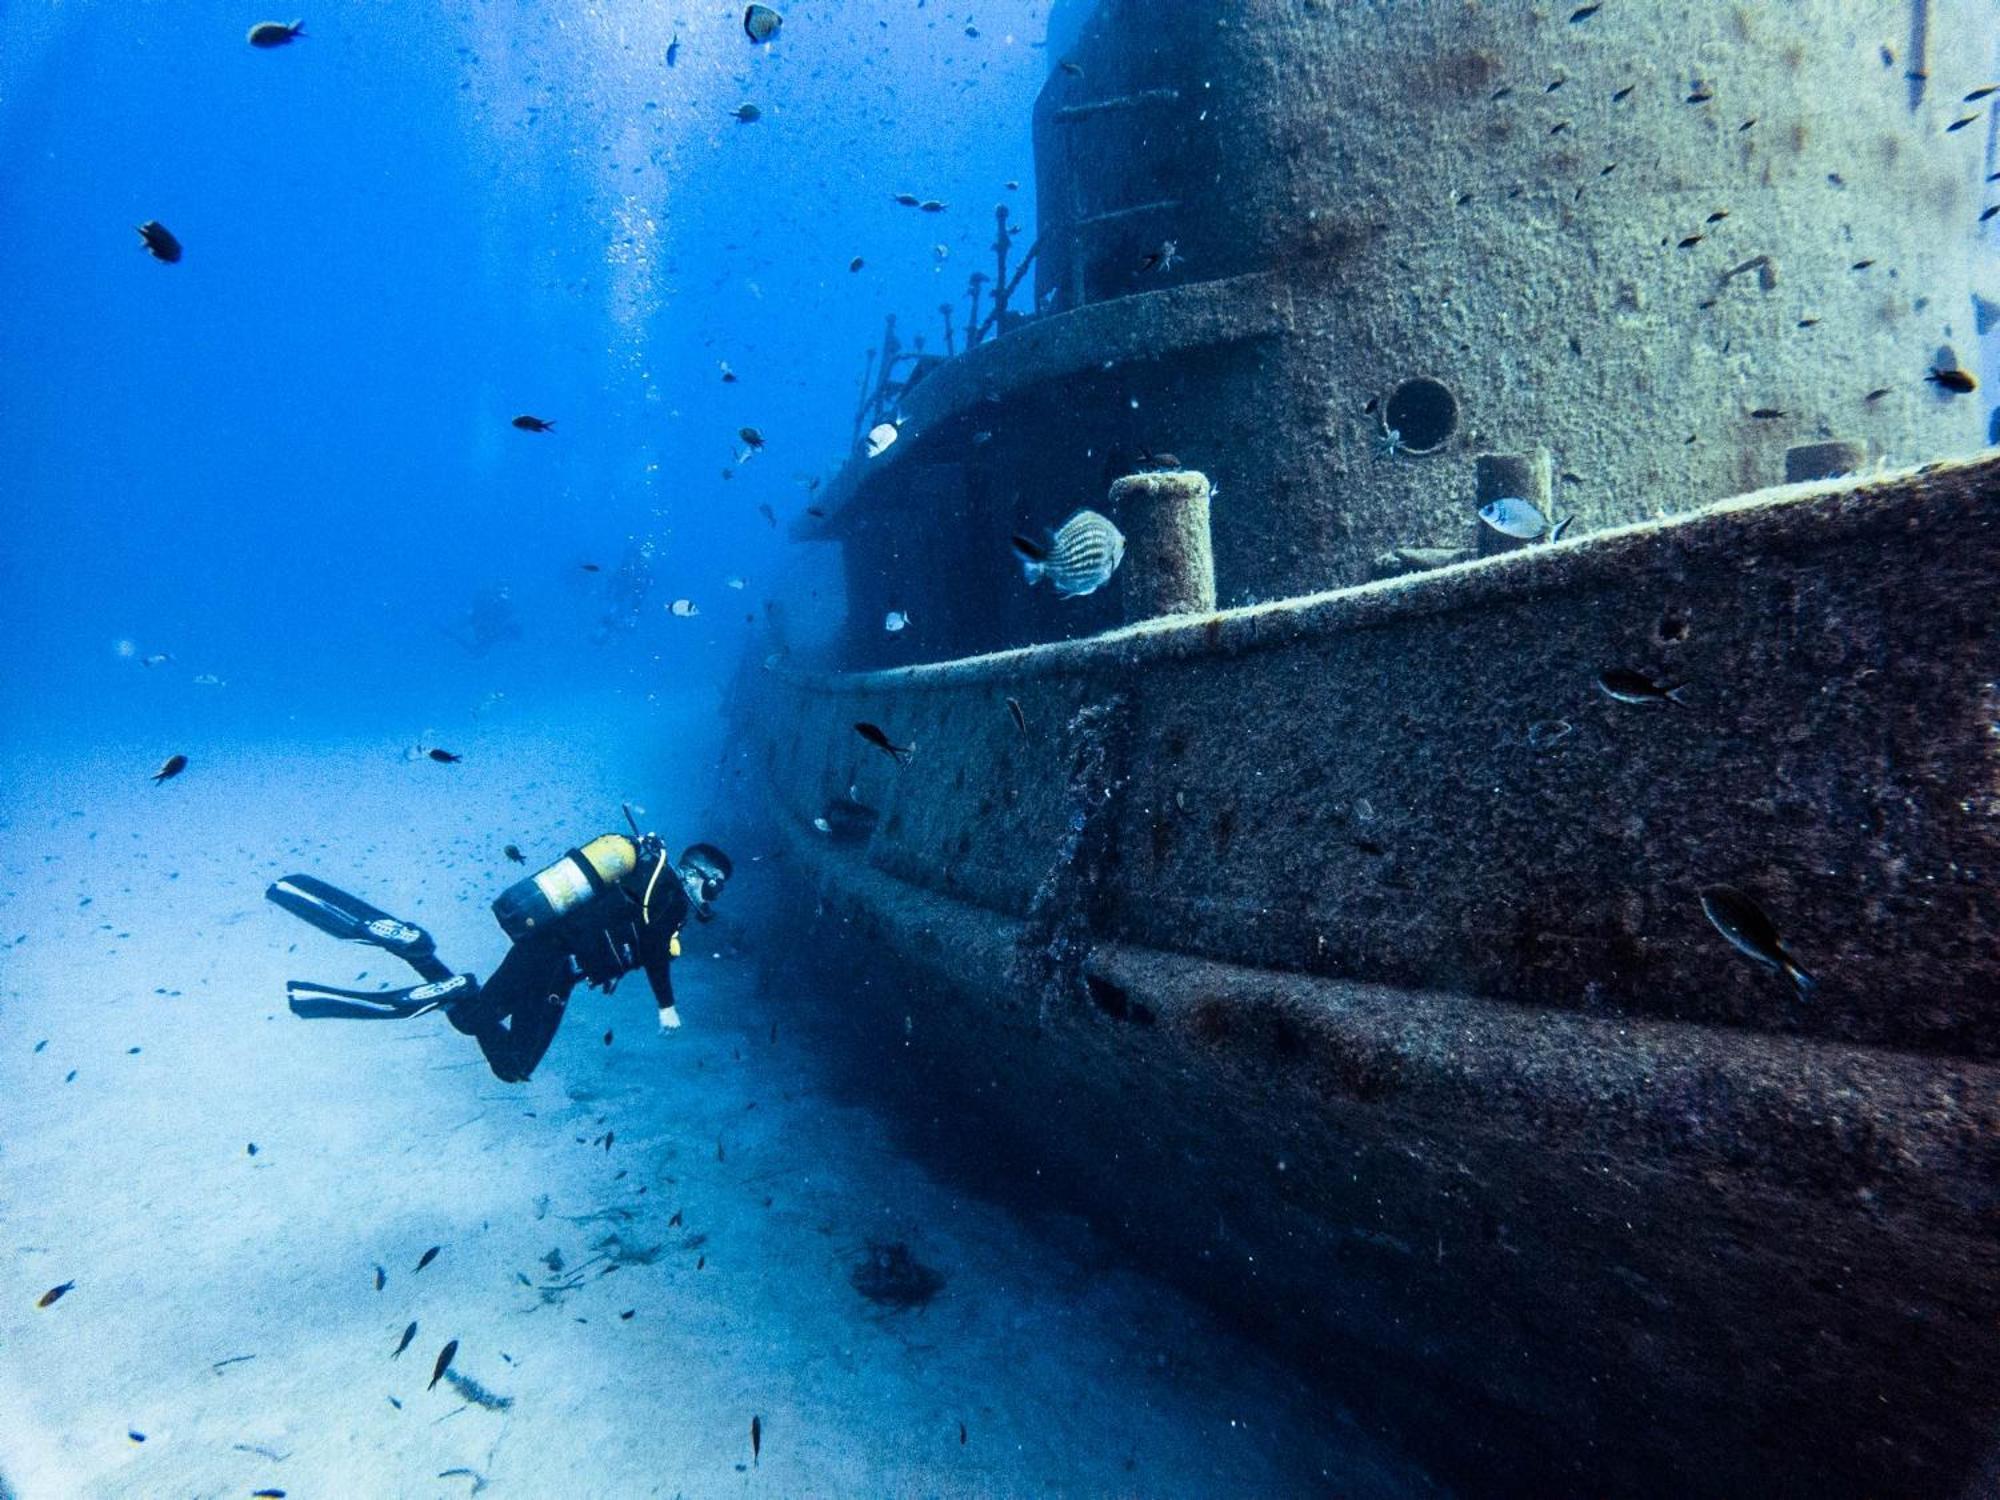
1301, 942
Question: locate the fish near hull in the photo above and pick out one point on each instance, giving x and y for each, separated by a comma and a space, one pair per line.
1419, 1051
1347, 779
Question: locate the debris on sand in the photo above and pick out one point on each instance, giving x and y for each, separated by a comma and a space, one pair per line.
476, 1393
892, 1277
621, 1254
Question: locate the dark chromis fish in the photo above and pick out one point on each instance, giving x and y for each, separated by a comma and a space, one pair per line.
1750, 930
160, 241
878, 737
444, 1360
1079, 559
275, 33
1628, 686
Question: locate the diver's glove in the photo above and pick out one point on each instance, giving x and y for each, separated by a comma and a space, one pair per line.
657, 957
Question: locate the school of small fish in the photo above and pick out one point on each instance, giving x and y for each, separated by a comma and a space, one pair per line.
1077, 559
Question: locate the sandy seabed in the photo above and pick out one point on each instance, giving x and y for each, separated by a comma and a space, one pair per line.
221, 1180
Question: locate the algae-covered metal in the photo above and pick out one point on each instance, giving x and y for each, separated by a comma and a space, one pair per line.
1346, 867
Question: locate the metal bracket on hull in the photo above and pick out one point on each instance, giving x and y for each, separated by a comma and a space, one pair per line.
1056, 942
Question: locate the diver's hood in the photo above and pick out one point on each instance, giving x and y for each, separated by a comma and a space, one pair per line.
704, 871
711, 861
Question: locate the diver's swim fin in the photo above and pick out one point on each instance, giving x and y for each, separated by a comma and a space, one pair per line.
318, 1002
333, 910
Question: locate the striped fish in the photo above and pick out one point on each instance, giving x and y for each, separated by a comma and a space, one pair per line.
1079, 559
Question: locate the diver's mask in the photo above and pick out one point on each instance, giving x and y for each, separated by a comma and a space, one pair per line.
705, 870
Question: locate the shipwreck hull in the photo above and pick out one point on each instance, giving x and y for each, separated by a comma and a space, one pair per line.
1290, 943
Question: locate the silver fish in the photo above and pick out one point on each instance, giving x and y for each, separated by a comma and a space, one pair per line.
1079, 559
1512, 516
895, 620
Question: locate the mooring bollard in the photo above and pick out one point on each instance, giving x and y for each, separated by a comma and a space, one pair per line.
1496, 476
1169, 554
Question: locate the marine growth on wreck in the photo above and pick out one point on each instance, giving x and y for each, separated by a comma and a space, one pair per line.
1065, 747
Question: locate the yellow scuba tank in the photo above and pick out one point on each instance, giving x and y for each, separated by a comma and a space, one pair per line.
549, 895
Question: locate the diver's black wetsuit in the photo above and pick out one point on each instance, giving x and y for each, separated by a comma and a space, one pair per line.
631, 923
515, 1014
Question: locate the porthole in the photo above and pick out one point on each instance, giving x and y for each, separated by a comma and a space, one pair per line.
1422, 413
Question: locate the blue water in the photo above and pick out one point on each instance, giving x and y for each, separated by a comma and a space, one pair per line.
285, 459
252, 498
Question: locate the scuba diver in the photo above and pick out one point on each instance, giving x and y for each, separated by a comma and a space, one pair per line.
626, 592
489, 621
614, 905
